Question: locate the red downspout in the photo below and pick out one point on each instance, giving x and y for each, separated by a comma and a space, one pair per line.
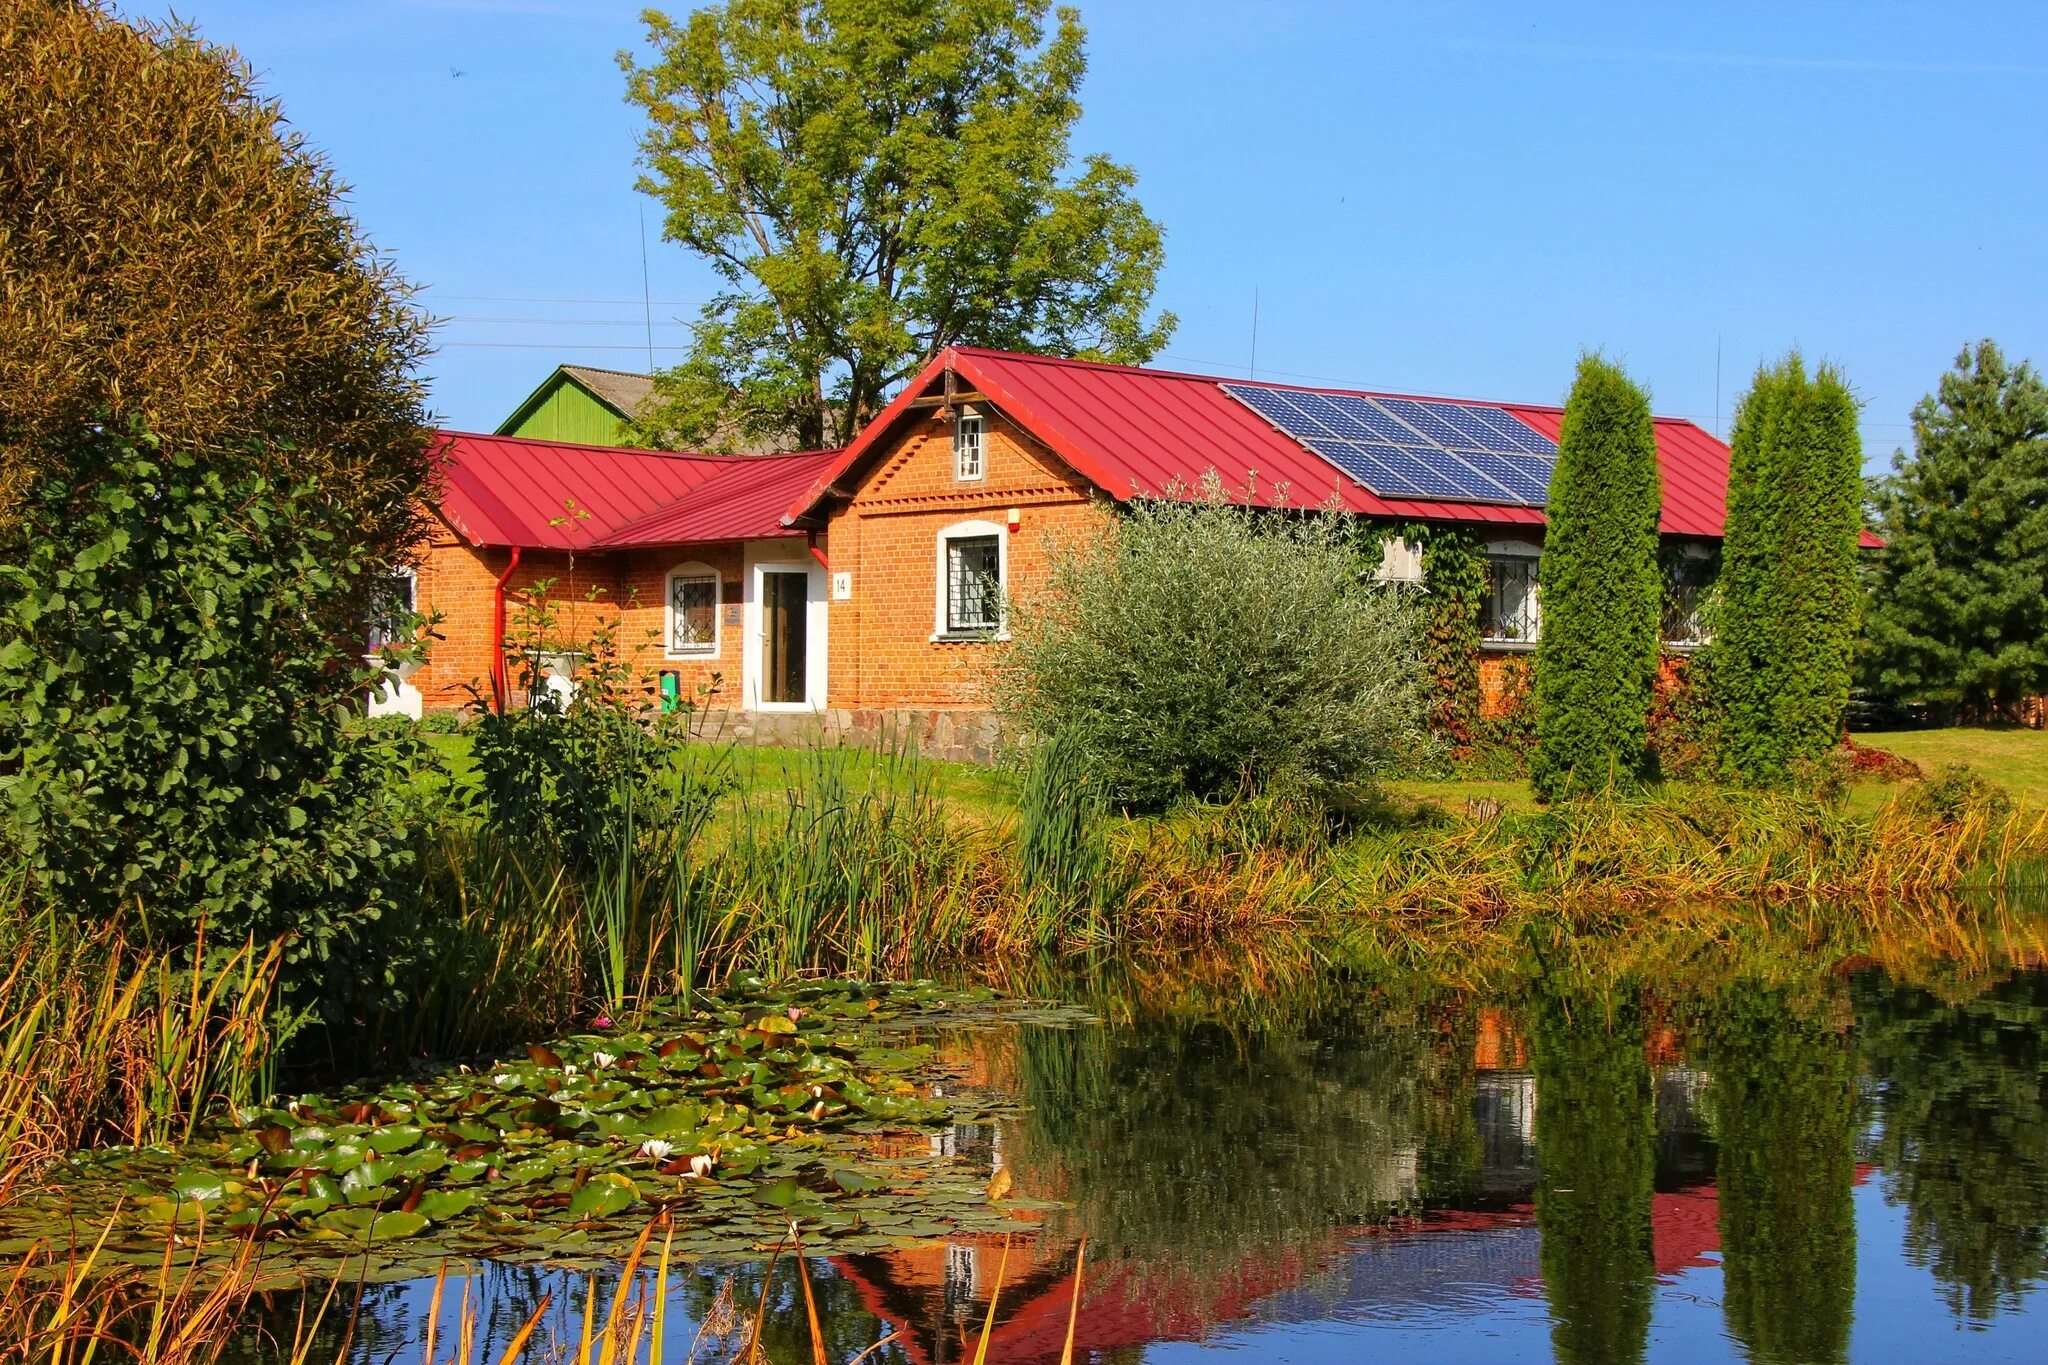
501, 686
812, 539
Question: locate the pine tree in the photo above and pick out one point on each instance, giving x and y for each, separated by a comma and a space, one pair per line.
1786, 629
1959, 606
1603, 592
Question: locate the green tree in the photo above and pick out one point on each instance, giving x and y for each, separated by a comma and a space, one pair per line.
1596, 1155
212, 286
1783, 1104
1199, 649
1958, 610
1603, 592
1785, 627
874, 181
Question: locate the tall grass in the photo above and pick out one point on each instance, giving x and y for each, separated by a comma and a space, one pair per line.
105, 1041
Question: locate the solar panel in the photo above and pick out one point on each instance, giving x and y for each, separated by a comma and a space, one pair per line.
1411, 447
1525, 437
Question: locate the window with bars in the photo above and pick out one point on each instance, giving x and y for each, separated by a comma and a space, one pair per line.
1686, 581
968, 451
974, 583
1511, 614
692, 614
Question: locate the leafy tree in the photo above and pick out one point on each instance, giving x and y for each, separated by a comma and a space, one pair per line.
1196, 648
1958, 610
1785, 627
176, 671
1596, 1156
169, 249
1603, 592
874, 181
1785, 1119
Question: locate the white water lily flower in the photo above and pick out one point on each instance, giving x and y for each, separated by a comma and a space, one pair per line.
602, 1059
657, 1149
701, 1164
503, 1078
568, 1068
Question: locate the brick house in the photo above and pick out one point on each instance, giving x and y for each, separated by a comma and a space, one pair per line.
857, 584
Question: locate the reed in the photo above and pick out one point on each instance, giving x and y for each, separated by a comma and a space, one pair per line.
107, 1041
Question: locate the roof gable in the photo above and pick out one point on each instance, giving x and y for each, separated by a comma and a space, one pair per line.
618, 392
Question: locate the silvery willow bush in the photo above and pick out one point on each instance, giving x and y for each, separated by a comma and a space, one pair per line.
179, 661
1197, 649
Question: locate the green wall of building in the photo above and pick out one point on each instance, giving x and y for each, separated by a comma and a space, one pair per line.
566, 411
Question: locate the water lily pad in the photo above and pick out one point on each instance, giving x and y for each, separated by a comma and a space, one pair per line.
604, 1195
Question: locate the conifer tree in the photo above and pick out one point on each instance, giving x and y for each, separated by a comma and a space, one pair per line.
1786, 629
1959, 607
1596, 665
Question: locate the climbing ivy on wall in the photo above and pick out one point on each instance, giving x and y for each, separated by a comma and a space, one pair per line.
1454, 576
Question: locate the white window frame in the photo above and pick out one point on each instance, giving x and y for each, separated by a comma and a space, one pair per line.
693, 569
965, 530
411, 575
1533, 556
969, 423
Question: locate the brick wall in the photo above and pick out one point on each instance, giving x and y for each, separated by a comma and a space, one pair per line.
625, 590
882, 652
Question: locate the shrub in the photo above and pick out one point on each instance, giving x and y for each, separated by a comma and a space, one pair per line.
1785, 623
177, 673
1603, 592
212, 283
1196, 649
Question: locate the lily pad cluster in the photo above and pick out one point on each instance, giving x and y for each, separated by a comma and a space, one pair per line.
747, 1113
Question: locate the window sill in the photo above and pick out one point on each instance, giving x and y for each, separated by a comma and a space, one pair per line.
1508, 646
1685, 646
969, 637
707, 656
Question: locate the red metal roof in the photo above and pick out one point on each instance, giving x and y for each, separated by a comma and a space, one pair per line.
744, 501
510, 490
1136, 431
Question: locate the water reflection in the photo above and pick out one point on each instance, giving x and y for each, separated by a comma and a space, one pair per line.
1584, 1168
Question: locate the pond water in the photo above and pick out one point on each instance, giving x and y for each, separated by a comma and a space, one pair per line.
1820, 1165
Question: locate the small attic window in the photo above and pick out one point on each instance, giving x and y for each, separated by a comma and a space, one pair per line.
969, 456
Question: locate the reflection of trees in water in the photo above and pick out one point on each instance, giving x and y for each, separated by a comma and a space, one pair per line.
391, 1324
1190, 1143
1596, 1154
1963, 1099
1784, 1110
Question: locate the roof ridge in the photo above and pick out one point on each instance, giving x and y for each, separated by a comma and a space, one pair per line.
1039, 358
453, 433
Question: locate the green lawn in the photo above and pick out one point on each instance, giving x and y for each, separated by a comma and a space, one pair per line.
764, 767
2015, 759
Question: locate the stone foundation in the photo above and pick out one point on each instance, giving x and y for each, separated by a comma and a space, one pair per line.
956, 736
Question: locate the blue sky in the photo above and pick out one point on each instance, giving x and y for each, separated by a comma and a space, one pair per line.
1443, 198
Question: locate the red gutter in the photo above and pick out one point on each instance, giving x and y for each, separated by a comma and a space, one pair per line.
501, 686
811, 539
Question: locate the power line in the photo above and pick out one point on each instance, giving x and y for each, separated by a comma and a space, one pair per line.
508, 298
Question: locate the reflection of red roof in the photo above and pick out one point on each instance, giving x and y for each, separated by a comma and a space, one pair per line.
1123, 1306
558, 495
1137, 431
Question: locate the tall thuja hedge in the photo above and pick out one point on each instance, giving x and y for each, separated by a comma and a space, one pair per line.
1603, 593
1789, 603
